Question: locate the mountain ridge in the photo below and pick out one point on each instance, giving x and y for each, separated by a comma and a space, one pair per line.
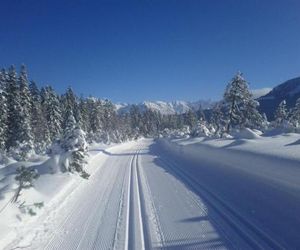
167, 108
288, 91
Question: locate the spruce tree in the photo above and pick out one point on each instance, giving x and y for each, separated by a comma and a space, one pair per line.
84, 114
136, 120
52, 110
69, 127
240, 105
40, 130
70, 101
74, 141
95, 118
14, 110
190, 119
3, 110
295, 115
218, 120
25, 134
281, 115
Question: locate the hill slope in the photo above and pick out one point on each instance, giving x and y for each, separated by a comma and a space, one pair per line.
289, 91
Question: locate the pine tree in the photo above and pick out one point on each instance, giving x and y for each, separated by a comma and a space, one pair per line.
108, 121
281, 115
25, 177
217, 119
3, 110
69, 127
84, 114
241, 107
95, 110
124, 127
3, 80
25, 135
295, 115
52, 110
135, 120
70, 101
74, 141
200, 114
14, 109
201, 129
40, 130
190, 119
78, 161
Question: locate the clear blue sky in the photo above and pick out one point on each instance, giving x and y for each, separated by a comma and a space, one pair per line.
129, 51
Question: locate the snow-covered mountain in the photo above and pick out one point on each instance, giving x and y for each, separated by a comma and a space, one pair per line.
167, 108
289, 91
260, 92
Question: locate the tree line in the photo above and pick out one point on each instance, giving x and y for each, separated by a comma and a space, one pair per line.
32, 118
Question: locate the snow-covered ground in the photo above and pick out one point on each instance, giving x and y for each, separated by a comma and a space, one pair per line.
255, 180
170, 194
50, 188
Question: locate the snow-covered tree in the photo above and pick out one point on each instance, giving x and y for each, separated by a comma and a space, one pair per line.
25, 134
295, 115
40, 131
3, 110
150, 122
201, 129
200, 114
190, 119
124, 127
281, 115
84, 122
74, 141
95, 110
240, 105
135, 118
218, 120
69, 127
14, 109
69, 102
25, 177
78, 161
108, 121
52, 111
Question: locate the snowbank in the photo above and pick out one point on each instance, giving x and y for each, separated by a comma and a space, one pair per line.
246, 133
52, 188
274, 158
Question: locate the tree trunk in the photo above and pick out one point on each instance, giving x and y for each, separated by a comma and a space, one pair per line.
17, 194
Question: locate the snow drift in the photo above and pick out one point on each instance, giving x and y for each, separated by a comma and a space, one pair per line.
273, 158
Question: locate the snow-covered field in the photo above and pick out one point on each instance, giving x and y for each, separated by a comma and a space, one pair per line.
168, 194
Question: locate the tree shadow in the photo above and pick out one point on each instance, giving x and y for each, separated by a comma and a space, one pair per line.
183, 244
293, 143
236, 142
195, 219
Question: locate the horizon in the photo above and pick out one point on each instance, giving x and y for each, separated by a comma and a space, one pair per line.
166, 51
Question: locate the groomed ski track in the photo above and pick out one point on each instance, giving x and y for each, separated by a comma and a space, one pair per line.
141, 197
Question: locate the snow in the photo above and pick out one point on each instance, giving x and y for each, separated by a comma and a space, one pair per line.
50, 188
167, 108
184, 193
246, 133
258, 179
260, 92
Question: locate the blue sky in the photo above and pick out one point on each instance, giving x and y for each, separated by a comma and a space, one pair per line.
130, 51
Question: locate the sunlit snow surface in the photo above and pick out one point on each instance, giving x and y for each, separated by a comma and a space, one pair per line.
171, 194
